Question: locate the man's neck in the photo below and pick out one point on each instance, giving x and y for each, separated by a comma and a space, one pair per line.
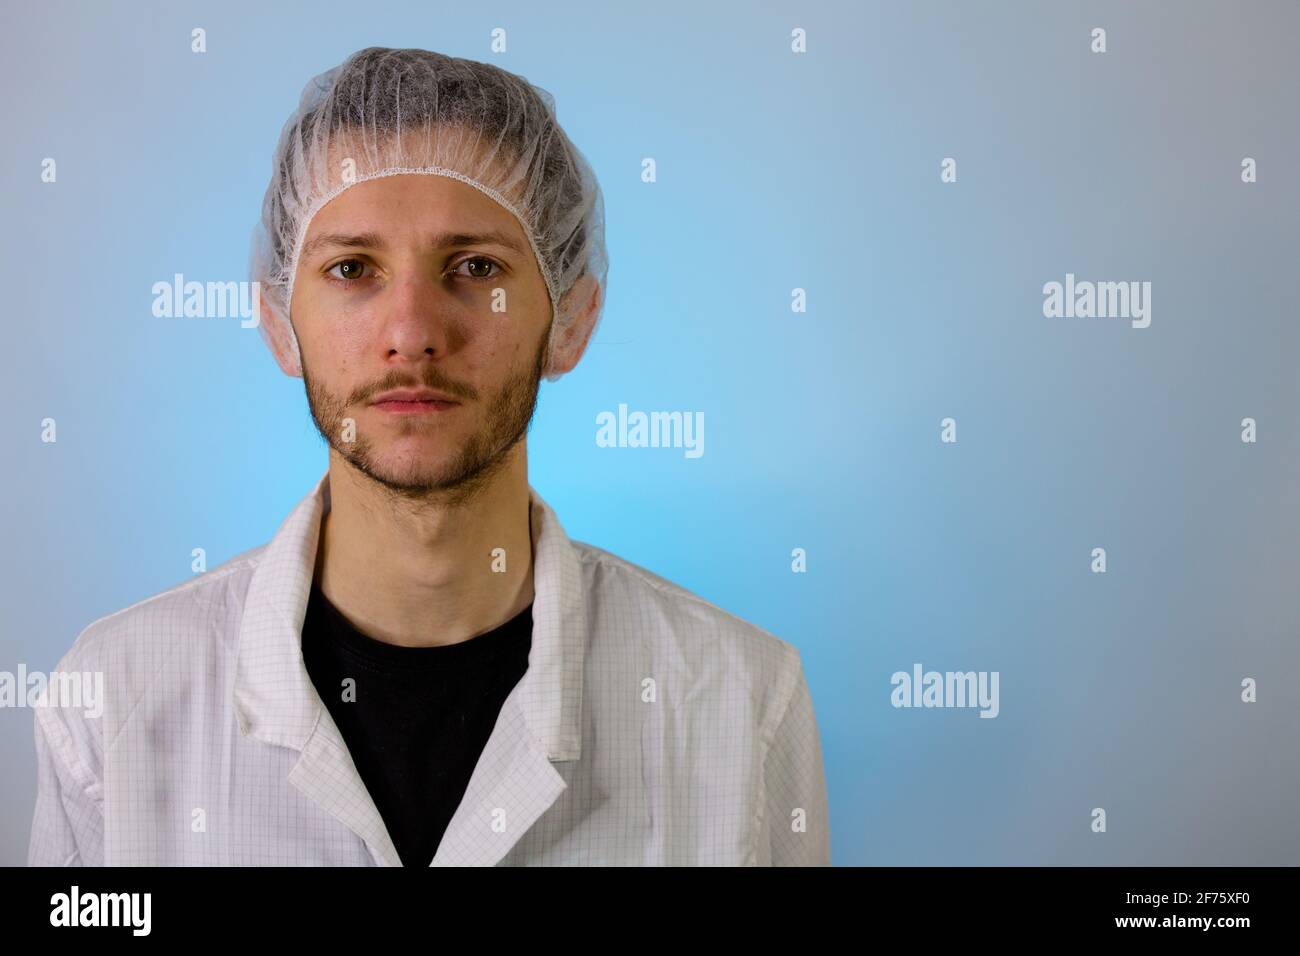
417, 573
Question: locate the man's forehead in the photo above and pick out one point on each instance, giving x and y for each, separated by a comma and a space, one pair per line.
353, 218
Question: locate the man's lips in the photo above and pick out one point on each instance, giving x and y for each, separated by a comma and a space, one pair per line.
415, 407
414, 401
413, 395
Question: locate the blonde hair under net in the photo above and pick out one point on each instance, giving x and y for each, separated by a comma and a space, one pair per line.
393, 112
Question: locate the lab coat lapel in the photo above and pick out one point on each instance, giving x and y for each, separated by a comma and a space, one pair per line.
327, 774
515, 780
513, 784
275, 700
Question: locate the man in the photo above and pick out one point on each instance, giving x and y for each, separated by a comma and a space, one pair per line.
420, 667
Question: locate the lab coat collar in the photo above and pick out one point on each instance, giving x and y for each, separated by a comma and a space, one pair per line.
540, 721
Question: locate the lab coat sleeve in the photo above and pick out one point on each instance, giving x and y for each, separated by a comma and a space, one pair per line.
68, 824
795, 781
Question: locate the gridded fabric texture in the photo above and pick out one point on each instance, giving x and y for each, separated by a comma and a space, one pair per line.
651, 728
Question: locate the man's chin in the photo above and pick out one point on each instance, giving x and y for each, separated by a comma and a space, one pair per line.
421, 476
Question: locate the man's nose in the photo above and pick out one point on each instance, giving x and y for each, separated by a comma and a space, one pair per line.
420, 316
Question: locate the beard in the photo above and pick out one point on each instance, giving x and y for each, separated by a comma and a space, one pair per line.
472, 466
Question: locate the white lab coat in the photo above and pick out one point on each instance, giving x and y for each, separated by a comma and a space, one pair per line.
650, 728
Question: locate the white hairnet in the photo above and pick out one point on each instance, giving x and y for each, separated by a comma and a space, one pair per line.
412, 111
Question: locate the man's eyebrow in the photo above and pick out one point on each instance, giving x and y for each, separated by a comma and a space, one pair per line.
489, 238
370, 240
373, 240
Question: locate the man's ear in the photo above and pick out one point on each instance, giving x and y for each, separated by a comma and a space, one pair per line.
571, 343
278, 335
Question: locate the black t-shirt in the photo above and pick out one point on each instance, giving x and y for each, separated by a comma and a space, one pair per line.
419, 716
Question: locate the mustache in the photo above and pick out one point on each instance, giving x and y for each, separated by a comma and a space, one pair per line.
431, 378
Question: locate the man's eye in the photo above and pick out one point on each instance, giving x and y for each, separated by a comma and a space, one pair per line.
478, 267
351, 270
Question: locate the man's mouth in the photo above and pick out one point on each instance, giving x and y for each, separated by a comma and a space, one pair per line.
414, 401
417, 407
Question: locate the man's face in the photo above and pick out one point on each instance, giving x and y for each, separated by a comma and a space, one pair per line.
407, 303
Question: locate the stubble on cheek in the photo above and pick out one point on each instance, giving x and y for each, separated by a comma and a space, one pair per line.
329, 412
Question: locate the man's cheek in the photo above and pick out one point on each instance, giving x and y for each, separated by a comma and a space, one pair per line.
480, 368
503, 356
350, 337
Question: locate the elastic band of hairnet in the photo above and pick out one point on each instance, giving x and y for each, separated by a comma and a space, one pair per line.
427, 171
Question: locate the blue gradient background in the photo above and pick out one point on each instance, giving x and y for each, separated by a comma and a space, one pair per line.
775, 171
